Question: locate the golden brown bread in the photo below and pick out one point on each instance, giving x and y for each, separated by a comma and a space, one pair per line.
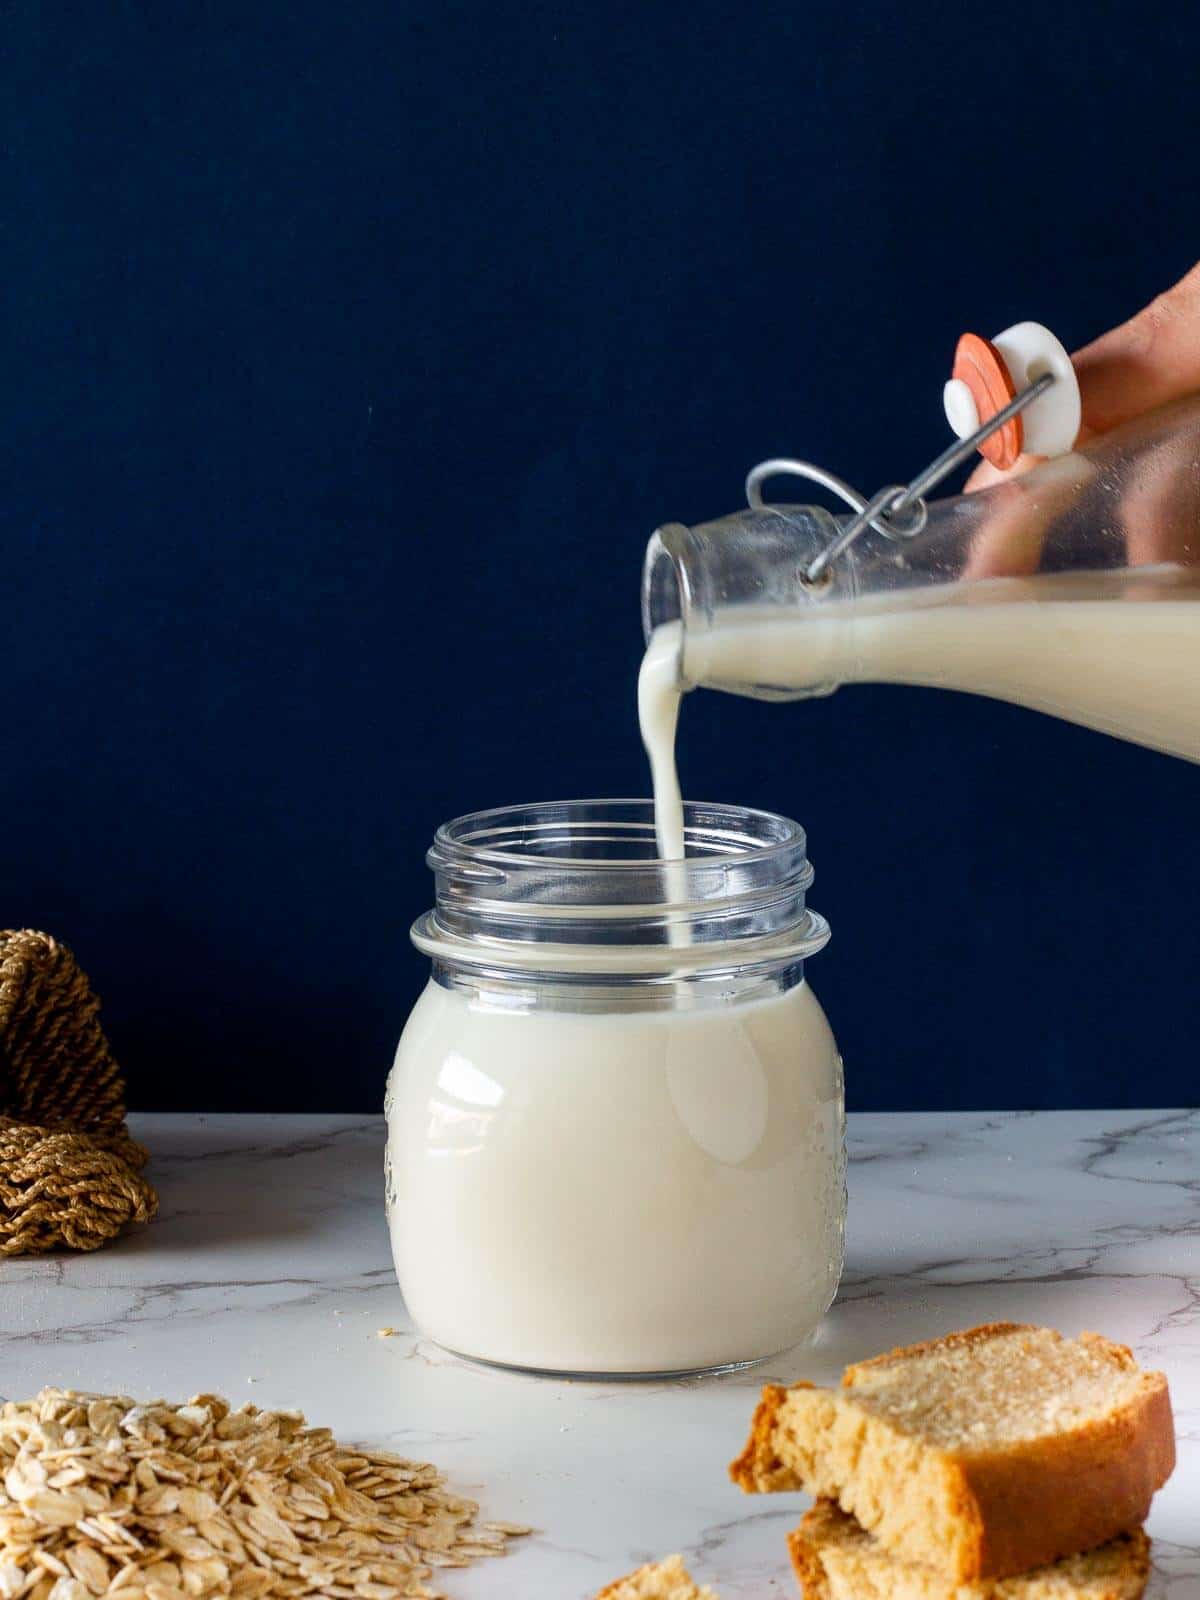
835, 1559
981, 1454
660, 1580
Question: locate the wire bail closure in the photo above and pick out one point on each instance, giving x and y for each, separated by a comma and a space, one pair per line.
899, 511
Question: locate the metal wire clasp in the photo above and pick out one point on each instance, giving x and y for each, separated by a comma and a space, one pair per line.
897, 512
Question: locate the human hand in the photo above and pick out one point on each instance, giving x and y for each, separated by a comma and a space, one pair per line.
1147, 362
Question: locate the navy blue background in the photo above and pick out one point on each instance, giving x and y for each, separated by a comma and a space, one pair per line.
355, 352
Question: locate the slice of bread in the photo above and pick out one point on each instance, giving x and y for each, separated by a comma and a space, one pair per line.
981, 1454
835, 1559
661, 1580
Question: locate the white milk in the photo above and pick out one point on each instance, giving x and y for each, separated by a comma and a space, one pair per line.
616, 1192
1076, 648
659, 697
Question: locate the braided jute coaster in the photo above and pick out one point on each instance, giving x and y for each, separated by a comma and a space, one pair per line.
70, 1175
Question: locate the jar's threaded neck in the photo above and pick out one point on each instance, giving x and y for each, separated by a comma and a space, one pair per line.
577, 886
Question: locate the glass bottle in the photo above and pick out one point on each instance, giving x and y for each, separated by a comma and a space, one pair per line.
1074, 589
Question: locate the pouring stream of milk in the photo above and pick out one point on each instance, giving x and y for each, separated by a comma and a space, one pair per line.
659, 696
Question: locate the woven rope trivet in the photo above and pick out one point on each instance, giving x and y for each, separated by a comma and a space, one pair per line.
70, 1175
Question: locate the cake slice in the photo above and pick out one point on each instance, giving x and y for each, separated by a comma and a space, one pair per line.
835, 1559
981, 1454
661, 1580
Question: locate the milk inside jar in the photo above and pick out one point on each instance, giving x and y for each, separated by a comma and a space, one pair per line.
615, 1121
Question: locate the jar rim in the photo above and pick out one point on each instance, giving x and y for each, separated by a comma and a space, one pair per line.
453, 837
573, 884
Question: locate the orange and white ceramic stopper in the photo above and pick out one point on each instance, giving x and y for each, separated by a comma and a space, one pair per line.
988, 373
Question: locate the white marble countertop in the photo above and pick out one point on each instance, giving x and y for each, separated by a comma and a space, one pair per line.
268, 1274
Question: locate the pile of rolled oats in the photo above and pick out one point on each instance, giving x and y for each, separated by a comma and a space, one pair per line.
161, 1502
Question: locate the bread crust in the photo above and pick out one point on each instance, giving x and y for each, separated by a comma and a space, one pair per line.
1025, 1505
657, 1570
1053, 1497
807, 1565
961, 1338
805, 1544
759, 1469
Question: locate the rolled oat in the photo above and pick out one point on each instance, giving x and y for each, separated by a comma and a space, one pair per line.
100, 1496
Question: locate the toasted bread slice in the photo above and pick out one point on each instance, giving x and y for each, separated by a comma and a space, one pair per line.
836, 1559
981, 1454
661, 1580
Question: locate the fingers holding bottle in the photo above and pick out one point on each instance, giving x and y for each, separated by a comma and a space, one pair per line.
1146, 362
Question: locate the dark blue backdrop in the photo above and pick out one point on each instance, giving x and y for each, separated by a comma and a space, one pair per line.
357, 349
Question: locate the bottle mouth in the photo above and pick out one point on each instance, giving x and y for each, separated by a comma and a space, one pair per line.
665, 591
697, 579
579, 885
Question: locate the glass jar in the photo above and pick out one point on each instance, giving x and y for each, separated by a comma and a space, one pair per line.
615, 1120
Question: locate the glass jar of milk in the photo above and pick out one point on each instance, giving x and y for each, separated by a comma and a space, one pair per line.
615, 1121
